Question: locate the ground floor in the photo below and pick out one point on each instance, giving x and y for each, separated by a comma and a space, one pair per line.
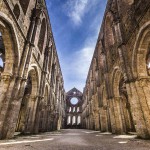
75, 139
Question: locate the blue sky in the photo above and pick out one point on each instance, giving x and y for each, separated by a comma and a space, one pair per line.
75, 25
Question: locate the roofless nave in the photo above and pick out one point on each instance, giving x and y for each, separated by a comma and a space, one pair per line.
116, 95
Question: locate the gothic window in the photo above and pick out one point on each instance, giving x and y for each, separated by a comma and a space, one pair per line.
69, 120
42, 35
69, 109
24, 5
148, 63
16, 11
2, 54
79, 120
78, 109
74, 109
73, 120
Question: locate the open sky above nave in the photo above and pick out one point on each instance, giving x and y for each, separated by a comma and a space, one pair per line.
75, 25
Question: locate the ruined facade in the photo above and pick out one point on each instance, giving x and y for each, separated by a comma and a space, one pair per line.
31, 84
117, 92
74, 103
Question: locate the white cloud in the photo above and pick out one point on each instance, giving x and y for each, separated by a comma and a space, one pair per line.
75, 67
76, 9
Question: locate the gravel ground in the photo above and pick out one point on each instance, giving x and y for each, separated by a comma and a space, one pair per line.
73, 139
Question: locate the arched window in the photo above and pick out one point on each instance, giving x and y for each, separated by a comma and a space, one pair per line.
42, 35
69, 109
24, 5
79, 120
74, 109
78, 109
2, 54
16, 11
69, 120
73, 120
148, 63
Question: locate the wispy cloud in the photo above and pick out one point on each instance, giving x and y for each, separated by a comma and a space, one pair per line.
75, 58
76, 66
76, 9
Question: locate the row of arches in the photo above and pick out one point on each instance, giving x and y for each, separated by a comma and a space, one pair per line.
41, 22
74, 109
120, 102
29, 101
73, 120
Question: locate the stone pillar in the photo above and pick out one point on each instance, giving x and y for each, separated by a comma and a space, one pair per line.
103, 119
5, 92
118, 117
96, 121
112, 116
139, 110
33, 105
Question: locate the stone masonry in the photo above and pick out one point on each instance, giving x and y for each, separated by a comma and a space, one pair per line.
32, 93
117, 92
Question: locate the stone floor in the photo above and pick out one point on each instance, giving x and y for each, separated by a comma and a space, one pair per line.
75, 140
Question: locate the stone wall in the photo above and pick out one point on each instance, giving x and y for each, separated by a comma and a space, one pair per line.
74, 103
31, 82
116, 95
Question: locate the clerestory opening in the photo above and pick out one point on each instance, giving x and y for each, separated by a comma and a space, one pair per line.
2, 55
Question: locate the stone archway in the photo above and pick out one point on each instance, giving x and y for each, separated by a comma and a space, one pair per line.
27, 112
9, 55
122, 111
140, 88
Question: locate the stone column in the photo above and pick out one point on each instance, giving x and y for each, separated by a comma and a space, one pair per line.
118, 117
12, 115
96, 121
112, 116
136, 109
4, 92
33, 105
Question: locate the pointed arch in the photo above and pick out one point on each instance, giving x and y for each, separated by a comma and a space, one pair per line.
140, 51
11, 44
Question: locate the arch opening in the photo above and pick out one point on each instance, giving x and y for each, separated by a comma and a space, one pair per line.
69, 120
26, 114
120, 91
2, 54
